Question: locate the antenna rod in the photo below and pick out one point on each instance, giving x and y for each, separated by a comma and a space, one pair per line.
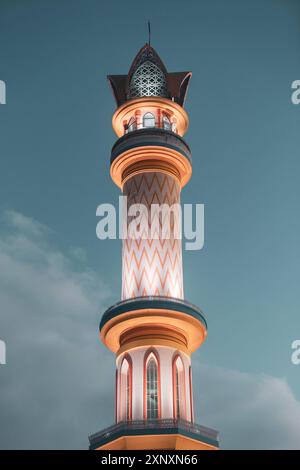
149, 33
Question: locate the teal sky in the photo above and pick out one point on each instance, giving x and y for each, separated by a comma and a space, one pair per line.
56, 137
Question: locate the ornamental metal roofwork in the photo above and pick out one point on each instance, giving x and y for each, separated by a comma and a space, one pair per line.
149, 77
147, 80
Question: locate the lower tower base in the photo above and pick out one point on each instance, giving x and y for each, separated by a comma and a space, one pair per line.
169, 434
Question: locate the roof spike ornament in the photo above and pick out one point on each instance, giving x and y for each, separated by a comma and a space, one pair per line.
153, 330
149, 33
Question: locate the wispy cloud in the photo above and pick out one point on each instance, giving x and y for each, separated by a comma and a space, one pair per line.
57, 375
251, 412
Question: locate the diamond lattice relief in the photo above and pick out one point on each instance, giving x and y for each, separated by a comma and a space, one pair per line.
148, 80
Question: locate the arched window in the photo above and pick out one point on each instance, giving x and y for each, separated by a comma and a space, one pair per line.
131, 125
166, 123
178, 388
151, 392
148, 120
126, 390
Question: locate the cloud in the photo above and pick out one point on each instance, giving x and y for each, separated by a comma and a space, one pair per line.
24, 224
58, 384
251, 412
57, 375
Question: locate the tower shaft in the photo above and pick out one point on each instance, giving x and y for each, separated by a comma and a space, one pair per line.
152, 264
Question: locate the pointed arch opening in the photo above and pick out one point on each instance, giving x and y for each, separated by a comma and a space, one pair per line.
166, 122
132, 125
126, 389
179, 401
151, 386
148, 120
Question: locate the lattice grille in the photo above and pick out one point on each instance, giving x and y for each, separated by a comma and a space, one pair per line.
148, 80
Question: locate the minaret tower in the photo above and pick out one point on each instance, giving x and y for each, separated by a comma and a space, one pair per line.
152, 330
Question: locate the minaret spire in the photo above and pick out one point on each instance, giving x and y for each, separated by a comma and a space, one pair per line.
149, 33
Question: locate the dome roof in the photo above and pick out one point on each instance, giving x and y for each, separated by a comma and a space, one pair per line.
147, 80
149, 77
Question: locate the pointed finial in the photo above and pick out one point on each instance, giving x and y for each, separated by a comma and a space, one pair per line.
149, 33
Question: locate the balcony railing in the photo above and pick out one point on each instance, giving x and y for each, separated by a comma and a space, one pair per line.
153, 302
165, 126
159, 426
150, 136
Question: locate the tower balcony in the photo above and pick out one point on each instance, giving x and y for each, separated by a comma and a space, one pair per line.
150, 149
153, 320
150, 111
155, 434
151, 136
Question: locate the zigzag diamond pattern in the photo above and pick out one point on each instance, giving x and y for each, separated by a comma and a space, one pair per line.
152, 266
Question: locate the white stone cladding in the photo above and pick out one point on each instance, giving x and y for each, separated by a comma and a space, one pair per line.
165, 356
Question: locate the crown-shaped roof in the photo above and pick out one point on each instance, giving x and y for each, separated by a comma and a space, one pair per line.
146, 53
148, 76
